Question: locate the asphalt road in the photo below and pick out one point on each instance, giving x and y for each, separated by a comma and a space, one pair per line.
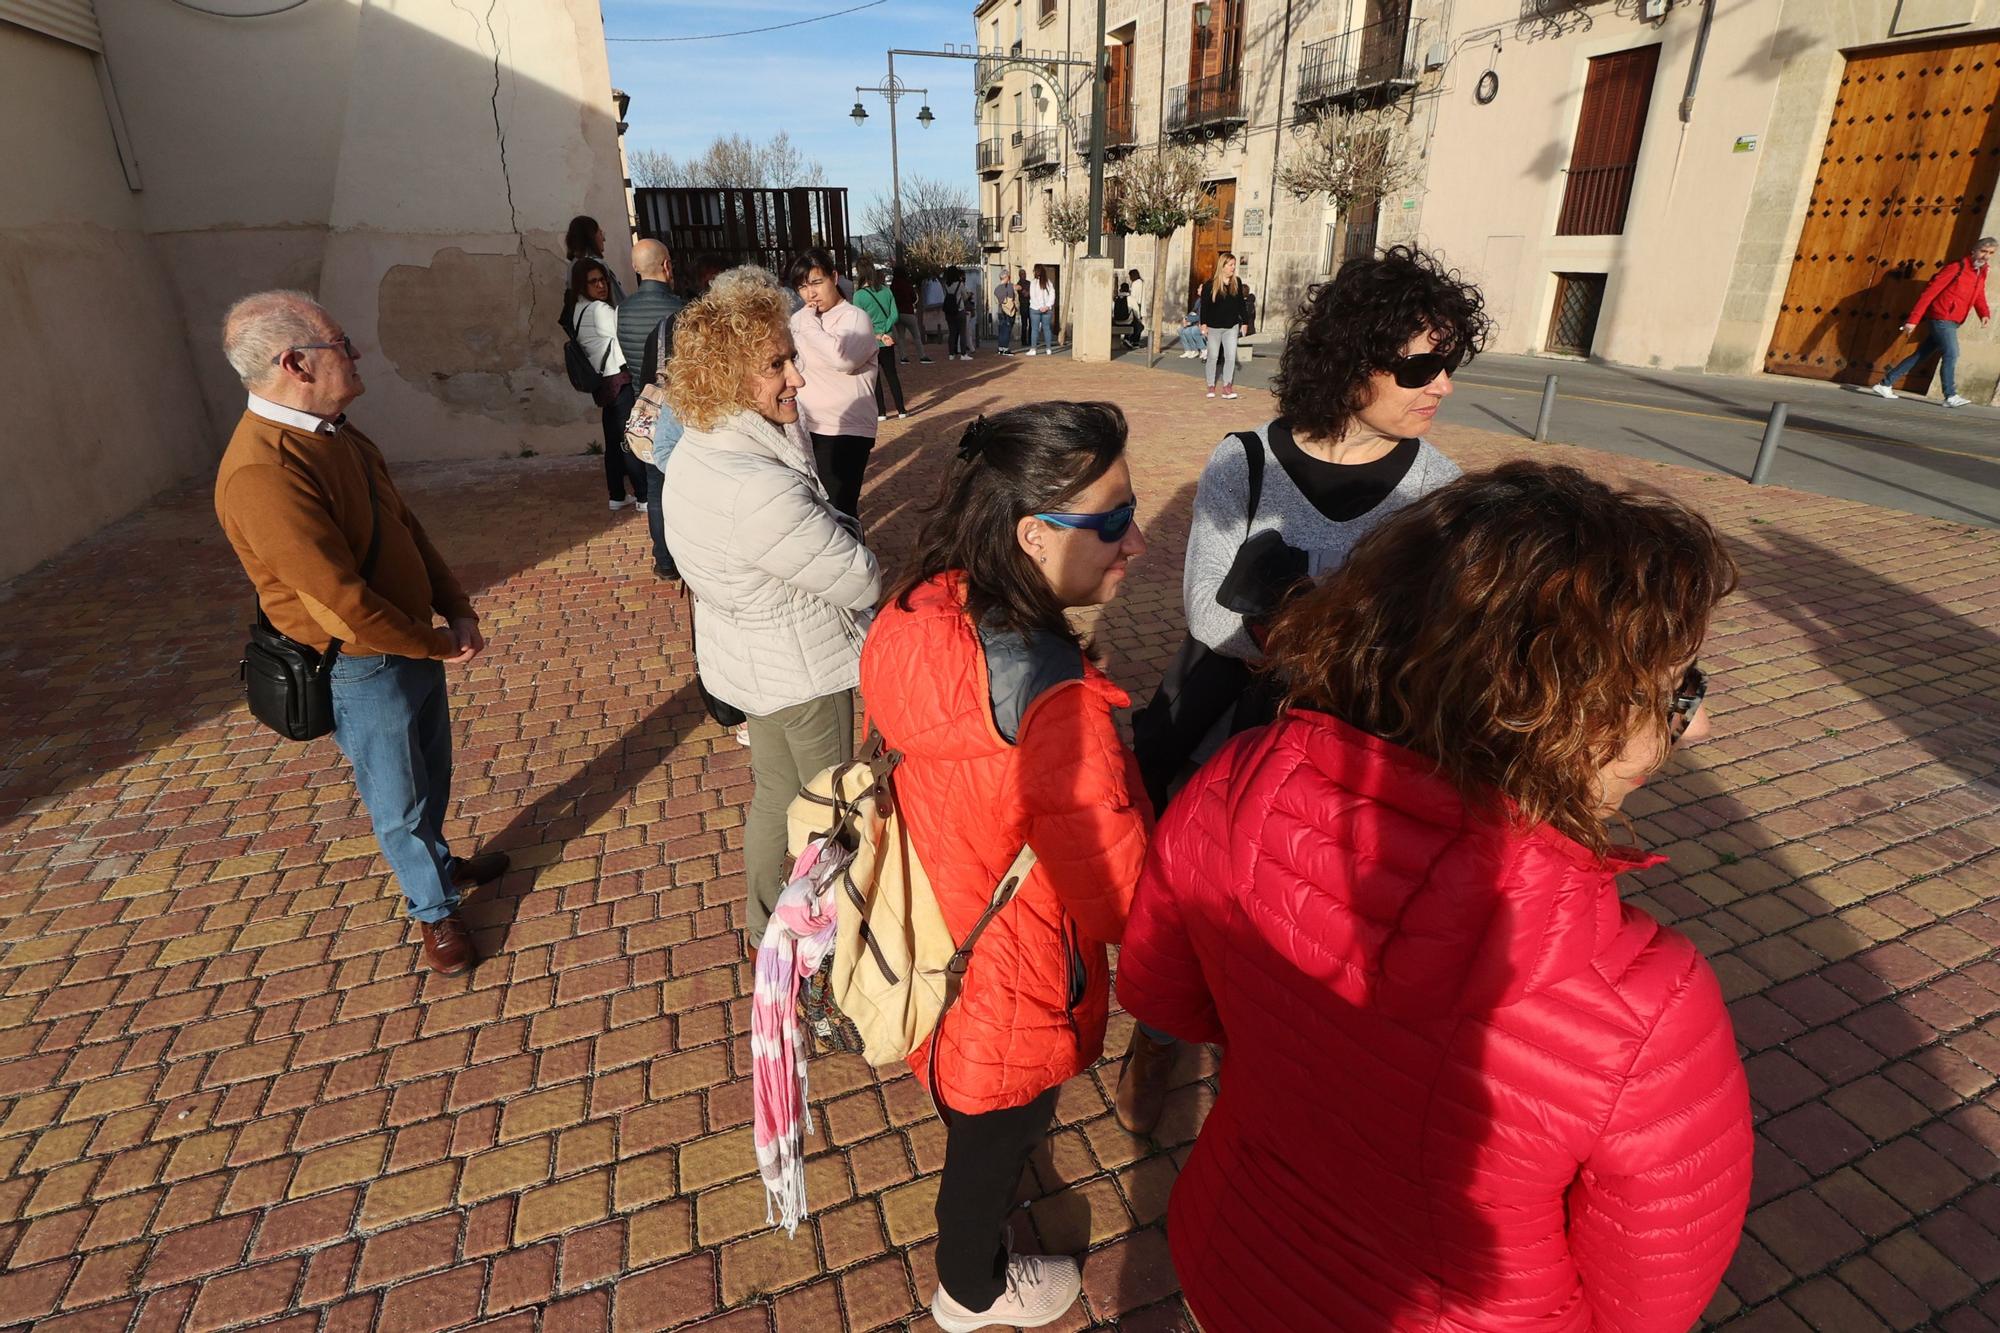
1912, 454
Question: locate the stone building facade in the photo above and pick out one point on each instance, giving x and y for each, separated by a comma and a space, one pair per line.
1237, 79
1686, 184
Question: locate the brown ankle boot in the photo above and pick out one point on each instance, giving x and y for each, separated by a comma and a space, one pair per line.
1142, 1087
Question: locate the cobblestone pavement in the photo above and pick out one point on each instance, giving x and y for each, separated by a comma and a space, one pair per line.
228, 1095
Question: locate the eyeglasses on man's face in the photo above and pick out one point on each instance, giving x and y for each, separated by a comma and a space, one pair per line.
345, 344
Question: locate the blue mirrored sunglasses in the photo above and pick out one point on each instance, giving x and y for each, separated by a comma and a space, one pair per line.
1110, 526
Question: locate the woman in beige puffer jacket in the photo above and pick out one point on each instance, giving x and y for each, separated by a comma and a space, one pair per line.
781, 581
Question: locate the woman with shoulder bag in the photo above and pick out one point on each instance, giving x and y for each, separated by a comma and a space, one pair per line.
781, 580
974, 673
1464, 1086
596, 332
1364, 370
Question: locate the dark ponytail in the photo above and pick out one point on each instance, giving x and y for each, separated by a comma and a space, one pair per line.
1027, 460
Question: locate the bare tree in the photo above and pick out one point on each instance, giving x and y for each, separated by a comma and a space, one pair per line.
1067, 223
1156, 194
1352, 157
937, 230
732, 160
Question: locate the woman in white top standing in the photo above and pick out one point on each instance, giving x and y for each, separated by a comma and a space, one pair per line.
596, 331
1041, 313
837, 355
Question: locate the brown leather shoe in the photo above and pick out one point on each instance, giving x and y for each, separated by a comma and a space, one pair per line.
470, 872
448, 946
1142, 1087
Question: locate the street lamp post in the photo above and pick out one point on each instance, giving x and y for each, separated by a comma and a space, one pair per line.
892, 91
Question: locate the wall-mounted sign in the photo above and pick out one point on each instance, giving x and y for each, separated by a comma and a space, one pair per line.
1253, 222
1409, 205
1745, 143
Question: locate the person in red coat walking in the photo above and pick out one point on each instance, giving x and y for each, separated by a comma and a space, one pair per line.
1464, 1087
974, 673
1958, 290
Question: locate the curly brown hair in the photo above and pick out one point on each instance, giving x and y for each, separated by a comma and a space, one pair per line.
718, 341
1355, 326
1518, 628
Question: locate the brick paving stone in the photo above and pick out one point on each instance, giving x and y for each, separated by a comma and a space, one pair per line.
219, 1064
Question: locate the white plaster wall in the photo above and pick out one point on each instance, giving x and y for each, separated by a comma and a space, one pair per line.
97, 403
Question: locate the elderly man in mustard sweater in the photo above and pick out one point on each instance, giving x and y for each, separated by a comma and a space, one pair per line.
307, 502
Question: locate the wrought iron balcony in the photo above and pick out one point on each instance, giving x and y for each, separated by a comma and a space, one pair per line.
1213, 103
992, 155
1120, 129
986, 74
1375, 62
990, 232
1039, 151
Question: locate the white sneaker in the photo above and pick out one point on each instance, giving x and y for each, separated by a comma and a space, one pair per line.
1882, 391
620, 504
880, 417
639, 505
1957, 401
1040, 1290
1211, 393
742, 734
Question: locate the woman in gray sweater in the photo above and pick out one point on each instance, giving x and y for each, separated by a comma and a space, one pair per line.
1362, 376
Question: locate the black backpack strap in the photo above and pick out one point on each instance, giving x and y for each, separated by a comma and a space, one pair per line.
1253, 463
659, 347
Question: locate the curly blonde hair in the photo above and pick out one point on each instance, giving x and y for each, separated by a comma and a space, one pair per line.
718, 341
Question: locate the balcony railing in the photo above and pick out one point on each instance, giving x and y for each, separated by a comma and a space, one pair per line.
1376, 60
992, 154
990, 231
1215, 102
1039, 150
1120, 129
1595, 199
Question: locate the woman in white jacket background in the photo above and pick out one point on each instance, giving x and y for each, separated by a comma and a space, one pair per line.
779, 576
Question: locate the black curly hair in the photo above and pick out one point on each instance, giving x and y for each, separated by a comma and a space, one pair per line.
1355, 326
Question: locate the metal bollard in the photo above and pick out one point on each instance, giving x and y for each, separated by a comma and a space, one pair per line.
1767, 452
1548, 406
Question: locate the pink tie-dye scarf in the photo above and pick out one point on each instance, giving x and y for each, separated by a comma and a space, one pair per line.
796, 942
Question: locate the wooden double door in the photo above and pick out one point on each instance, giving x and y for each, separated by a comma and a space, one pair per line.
1904, 184
1213, 238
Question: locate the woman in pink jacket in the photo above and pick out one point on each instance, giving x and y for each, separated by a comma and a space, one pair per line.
1464, 1088
837, 347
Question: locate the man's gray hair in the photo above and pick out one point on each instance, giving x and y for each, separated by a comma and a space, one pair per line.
260, 327
1985, 241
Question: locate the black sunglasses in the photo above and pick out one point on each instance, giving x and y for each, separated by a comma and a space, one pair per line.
1414, 372
1688, 696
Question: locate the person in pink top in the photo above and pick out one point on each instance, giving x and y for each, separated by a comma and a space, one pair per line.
1958, 290
837, 347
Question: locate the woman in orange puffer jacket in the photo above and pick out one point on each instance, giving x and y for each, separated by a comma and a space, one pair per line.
1465, 1088
974, 673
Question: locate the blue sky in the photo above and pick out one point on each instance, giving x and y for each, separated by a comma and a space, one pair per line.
801, 80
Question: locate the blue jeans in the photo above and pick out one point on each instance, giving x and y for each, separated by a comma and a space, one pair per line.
1042, 324
392, 721
1943, 338
1005, 324
1191, 339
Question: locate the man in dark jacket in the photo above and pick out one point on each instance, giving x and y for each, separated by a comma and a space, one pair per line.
1958, 290
645, 335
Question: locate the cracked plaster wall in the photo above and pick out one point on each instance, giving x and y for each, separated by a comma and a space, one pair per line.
413, 163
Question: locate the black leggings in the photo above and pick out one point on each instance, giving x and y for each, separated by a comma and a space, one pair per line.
619, 465
983, 1157
842, 459
885, 361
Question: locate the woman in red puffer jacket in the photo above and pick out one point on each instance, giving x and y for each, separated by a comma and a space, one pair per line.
1463, 1086
974, 673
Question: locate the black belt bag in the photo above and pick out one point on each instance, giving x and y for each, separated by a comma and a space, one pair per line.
290, 685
